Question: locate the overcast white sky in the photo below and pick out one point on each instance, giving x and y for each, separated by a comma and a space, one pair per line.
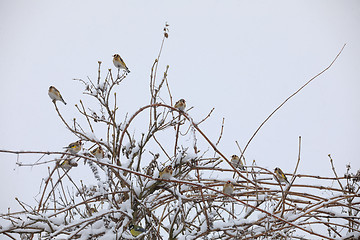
241, 57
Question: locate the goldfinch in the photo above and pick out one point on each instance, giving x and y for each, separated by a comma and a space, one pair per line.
280, 175
181, 105
67, 164
55, 95
119, 63
136, 230
98, 153
236, 162
228, 188
74, 147
166, 173
92, 210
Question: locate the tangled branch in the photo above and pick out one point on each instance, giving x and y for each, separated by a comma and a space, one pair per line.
170, 186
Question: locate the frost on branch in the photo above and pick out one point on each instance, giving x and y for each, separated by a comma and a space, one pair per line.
156, 173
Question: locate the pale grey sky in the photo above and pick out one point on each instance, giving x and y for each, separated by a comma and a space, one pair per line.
241, 57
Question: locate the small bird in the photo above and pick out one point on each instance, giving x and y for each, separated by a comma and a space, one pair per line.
181, 105
280, 175
166, 173
55, 95
236, 162
119, 63
136, 230
68, 164
98, 153
74, 147
92, 210
228, 188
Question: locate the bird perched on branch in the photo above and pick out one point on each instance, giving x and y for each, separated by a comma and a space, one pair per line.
74, 147
181, 105
67, 164
55, 95
119, 63
228, 188
136, 230
236, 162
98, 153
166, 173
280, 175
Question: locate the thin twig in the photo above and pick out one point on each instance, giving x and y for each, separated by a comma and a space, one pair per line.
292, 95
